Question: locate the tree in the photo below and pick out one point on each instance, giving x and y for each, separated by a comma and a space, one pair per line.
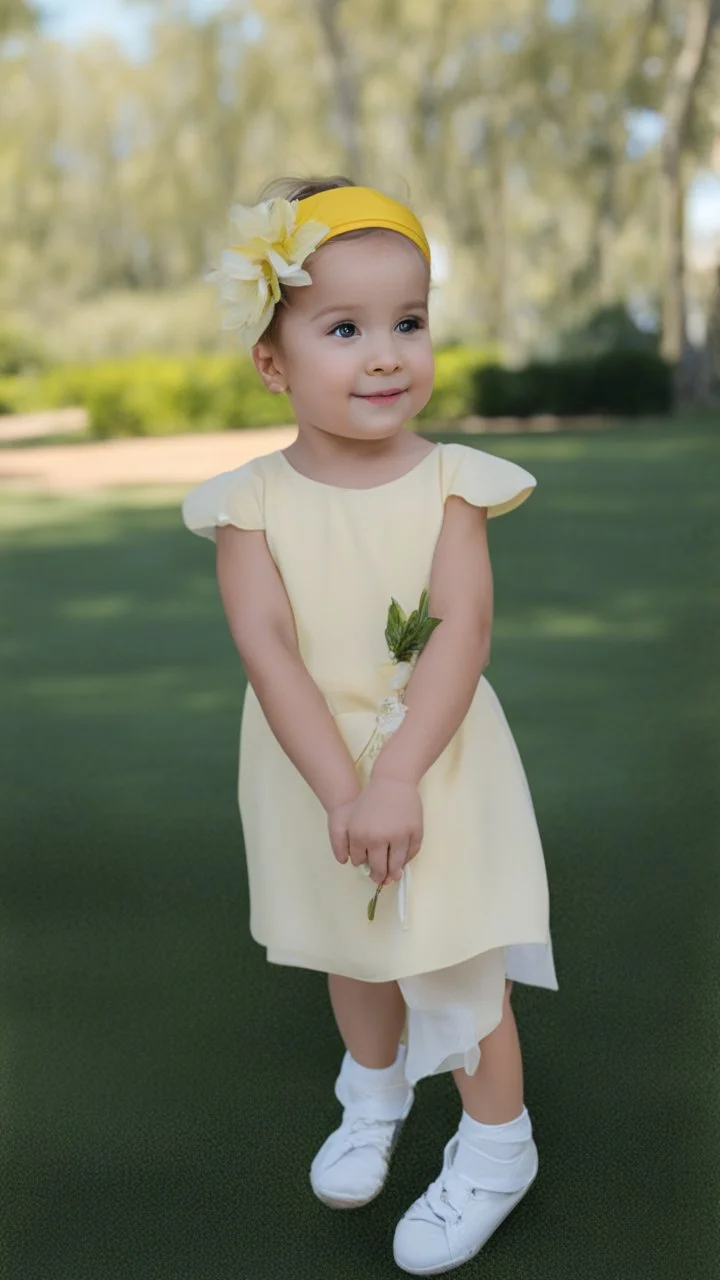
16, 15
702, 18
347, 89
511, 129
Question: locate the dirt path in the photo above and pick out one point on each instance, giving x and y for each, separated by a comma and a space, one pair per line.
28, 426
160, 460
180, 460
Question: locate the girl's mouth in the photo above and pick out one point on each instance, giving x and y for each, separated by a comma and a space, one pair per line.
385, 397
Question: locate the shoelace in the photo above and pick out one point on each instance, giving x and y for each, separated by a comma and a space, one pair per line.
446, 1198
442, 1197
371, 1133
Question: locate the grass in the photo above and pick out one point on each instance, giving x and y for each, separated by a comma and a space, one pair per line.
163, 1088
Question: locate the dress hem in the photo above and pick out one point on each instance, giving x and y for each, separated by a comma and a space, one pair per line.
299, 960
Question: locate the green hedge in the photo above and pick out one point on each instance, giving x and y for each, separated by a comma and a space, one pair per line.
615, 382
455, 369
20, 353
157, 395
10, 397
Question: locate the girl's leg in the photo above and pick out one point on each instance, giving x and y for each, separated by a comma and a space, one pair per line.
488, 1165
494, 1095
350, 1168
370, 1017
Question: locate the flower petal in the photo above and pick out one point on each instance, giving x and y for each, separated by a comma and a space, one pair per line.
251, 221
238, 265
279, 263
306, 238
270, 253
274, 284
298, 278
281, 222
252, 333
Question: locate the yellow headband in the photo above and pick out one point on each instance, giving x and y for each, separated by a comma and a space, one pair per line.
359, 208
275, 237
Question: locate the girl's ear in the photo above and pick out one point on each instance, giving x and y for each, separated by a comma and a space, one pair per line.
267, 362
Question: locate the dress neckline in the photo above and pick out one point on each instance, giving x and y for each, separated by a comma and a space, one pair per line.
373, 488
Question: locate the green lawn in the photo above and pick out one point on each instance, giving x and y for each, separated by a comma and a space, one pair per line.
164, 1089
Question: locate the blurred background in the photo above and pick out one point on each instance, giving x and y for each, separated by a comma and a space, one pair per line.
162, 1089
565, 156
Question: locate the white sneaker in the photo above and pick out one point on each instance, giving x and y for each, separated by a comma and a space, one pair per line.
351, 1167
452, 1221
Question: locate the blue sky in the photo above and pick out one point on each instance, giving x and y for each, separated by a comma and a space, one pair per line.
74, 20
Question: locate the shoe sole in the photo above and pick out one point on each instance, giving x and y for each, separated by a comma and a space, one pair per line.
360, 1204
468, 1257
348, 1204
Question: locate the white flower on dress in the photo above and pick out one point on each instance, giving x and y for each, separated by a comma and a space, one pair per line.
406, 638
269, 252
400, 675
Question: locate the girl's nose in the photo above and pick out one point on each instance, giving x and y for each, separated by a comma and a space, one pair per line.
384, 361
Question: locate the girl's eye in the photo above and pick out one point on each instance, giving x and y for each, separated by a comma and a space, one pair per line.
409, 324
345, 330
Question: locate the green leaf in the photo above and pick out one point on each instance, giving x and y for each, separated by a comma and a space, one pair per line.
398, 612
429, 626
394, 630
372, 904
405, 636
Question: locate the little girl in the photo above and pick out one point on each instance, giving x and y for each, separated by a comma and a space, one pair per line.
390, 833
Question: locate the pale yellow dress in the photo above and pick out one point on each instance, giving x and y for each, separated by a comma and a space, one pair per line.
477, 901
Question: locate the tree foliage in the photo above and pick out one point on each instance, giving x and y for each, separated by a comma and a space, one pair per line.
547, 146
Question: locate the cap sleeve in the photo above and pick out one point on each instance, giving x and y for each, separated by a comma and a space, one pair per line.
234, 497
485, 480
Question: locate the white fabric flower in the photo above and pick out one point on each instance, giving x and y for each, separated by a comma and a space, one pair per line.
390, 717
401, 674
270, 251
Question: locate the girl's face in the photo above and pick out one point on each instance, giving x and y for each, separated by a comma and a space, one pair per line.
353, 348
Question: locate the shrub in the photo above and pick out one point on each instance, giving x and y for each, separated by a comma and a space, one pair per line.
608, 328
20, 353
453, 392
8, 394
155, 395
167, 395
616, 382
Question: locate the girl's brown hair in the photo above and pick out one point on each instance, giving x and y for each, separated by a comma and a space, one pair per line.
301, 188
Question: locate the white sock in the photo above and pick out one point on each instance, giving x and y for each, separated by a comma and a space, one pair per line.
372, 1078
496, 1157
512, 1131
383, 1092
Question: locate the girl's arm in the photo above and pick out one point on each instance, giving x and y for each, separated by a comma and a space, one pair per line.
447, 673
262, 625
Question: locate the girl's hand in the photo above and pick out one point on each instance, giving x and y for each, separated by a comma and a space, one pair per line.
338, 822
383, 827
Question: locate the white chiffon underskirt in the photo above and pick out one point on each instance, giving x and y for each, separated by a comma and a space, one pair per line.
451, 1010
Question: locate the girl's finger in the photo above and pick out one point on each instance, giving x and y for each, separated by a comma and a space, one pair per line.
399, 853
339, 841
358, 853
377, 856
340, 850
415, 845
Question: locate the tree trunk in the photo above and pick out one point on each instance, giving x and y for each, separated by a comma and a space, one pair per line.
602, 251
347, 97
497, 219
702, 16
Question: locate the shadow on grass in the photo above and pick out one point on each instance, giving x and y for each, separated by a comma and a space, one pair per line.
165, 1089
